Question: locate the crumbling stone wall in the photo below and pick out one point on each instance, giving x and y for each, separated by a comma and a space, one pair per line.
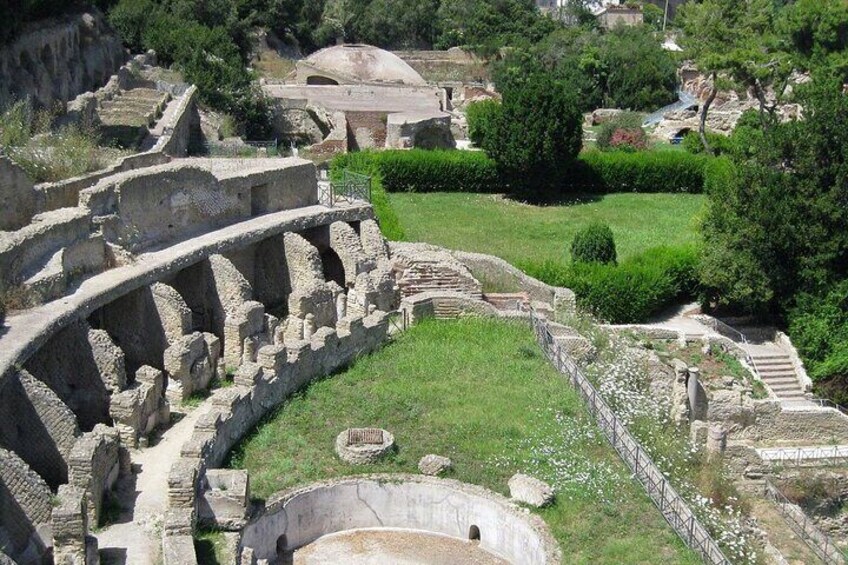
271, 276
71, 543
24, 505
18, 198
366, 130
37, 426
348, 246
83, 367
94, 466
191, 363
56, 62
139, 409
312, 301
142, 323
139, 209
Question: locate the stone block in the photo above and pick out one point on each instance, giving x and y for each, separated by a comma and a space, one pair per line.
529, 490
225, 499
433, 465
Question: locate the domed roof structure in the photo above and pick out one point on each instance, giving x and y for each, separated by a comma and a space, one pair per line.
356, 64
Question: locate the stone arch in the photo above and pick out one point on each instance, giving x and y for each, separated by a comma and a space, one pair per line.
474, 533
318, 80
332, 266
83, 367
37, 426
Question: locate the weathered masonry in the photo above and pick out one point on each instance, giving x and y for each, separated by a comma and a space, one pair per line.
186, 271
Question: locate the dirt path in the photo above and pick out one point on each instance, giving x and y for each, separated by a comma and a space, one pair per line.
136, 538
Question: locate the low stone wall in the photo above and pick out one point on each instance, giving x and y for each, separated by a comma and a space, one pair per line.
300, 516
25, 499
260, 388
173, 143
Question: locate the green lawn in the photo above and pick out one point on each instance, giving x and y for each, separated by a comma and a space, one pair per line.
518, 232
480, 392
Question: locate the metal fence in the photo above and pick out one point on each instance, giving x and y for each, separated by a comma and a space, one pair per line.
348, 188
798, 456
672, 506
821, 544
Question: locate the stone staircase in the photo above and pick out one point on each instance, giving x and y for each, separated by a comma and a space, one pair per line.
126, 118
447, 309
778, 373
424, 277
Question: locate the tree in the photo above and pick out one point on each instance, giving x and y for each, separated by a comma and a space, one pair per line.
483, 119
399, 23
538, 135
818, 32
638, 73
489, 25
776, 224
737, 45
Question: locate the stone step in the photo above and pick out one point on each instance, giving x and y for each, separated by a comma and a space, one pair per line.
790, 395
784, 386
776, 372
770, 357
769, 366
782, 381
771, 362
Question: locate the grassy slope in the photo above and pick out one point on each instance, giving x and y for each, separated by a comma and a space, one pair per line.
476, 391
519, 232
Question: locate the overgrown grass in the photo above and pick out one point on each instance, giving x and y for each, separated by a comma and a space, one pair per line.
49, 155
517, 232
480, 392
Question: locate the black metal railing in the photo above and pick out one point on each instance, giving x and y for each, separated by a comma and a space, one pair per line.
347, 188
821, 544
673, 507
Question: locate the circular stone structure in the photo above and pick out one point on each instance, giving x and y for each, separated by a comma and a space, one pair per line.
360, 446
387, 512
356, 64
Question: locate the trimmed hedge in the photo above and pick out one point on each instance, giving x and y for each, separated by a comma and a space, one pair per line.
631, 292
642, 171
421, 170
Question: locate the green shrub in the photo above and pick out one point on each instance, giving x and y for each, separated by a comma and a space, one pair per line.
422, 170
438, 171
630, 292
818, 326
594, 244
538, 136
622, 133
483, 120
645, 171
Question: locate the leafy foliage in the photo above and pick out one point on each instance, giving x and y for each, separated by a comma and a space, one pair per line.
538, 136
207, 41
483, 118
622, 133
757, 254
623, 68
629, 292
594, 244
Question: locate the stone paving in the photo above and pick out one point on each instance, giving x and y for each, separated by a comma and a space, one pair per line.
136, 538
